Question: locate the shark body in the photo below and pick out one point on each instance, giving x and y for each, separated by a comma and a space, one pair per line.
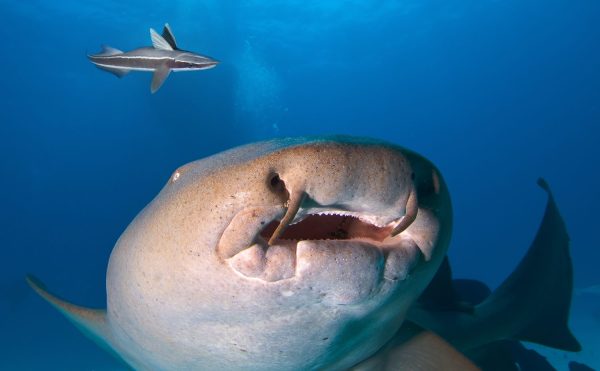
308, 253
162, 58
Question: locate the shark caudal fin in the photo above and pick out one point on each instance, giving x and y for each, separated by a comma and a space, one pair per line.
92, 322
532, 304
108, 51
539, 290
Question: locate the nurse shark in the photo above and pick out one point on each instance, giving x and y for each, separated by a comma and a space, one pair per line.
295, 253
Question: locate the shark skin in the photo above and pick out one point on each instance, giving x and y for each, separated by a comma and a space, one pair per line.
242, 249
162, 58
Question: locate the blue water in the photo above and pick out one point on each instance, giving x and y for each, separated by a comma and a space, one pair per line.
496, 93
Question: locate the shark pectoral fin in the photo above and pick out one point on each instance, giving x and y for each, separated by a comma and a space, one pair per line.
159, 77
119, 72
416, 349
427, 351
158, 41
92, 322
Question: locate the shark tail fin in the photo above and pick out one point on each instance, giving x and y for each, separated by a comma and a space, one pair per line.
92, 322
538, 292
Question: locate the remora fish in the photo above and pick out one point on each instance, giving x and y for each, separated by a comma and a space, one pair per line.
298, 253
162, 58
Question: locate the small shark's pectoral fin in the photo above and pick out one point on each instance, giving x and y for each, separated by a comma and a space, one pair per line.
119, 72
167, 34
416, 349
159, 77
92, 322
158, 41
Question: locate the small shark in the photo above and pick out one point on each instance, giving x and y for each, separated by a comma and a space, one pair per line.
163, 57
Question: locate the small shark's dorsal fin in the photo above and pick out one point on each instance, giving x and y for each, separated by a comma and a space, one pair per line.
167, 34
92, 322
158, 41
108, 50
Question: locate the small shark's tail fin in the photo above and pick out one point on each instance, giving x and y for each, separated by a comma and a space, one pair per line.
92, 322
538, 292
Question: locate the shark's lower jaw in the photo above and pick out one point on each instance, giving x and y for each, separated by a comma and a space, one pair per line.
329, 240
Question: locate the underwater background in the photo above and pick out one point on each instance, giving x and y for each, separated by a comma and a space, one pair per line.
495, 92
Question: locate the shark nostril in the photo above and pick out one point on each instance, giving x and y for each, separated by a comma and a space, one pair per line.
275, 180
277, 185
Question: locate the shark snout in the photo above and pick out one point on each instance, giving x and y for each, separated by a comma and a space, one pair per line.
361, 199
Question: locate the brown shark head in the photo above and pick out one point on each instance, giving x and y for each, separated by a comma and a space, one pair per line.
291, 253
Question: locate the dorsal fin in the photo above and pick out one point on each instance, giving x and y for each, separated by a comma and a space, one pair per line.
92, 322
167, 34
158, 41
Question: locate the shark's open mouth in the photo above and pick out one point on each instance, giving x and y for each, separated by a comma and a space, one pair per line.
328, 227
273, 243
247, 244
